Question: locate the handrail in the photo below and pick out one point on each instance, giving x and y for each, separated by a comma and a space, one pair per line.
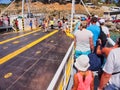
57, 74
62, 67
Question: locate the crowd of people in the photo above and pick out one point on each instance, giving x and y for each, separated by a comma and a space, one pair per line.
4, 21
50, 23
86, 41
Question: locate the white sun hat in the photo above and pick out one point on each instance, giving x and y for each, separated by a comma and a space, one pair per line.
102, 20
96, 16
82, 63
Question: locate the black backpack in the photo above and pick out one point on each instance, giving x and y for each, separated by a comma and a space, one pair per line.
103, 37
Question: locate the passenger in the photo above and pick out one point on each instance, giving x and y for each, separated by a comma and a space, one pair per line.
95, 30
88, 20
40, 22
65, 25
59, 24
110, 79
77, 24
31, 24
45, 25
36, 22
97, 21
104, 28
16, 24
8, 20
52, 24
83, 41
83, 79
106, 50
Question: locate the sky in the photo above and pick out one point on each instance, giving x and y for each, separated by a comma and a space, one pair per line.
8, 1
5, 1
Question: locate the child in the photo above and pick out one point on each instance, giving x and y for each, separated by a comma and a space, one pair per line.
83, 79
31, 24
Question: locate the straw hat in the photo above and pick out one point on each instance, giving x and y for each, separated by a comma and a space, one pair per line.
82, 63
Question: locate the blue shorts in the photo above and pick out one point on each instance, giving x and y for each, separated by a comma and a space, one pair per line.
78, 53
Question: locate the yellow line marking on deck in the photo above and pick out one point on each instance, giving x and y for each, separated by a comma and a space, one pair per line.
37, 52
15, 42
35, 34
51, 41
5, 47
5, 41
17, 52
8, 75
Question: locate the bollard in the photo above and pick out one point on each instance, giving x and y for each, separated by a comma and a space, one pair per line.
23, 23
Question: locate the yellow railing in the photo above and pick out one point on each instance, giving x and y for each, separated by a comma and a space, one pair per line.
63, 74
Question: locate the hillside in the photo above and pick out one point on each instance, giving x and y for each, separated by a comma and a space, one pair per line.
52, 8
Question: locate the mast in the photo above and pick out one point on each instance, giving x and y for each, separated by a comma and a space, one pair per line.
28, 5
23, 8
72, 12
23, 14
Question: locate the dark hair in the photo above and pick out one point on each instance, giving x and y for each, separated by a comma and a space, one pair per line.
118, 42
83, 24
101, 23
94, 20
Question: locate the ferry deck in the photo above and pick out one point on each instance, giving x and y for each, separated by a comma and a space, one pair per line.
29, 60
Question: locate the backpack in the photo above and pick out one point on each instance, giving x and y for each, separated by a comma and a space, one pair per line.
103, 37
95, 62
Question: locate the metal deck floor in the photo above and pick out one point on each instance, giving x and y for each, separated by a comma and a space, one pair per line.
34, 68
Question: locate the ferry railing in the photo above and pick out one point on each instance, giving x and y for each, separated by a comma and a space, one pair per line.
63, 74
62, 77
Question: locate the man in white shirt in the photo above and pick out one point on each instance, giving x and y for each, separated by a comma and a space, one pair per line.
104, 28
110, 81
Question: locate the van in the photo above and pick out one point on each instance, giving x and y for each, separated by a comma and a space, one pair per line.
114, 9
91, 5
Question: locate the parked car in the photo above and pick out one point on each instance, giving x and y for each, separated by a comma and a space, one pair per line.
30, 15
91, 5
82, 16
114, 9
116, 21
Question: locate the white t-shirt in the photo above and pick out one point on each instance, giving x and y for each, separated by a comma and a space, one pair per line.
112, 65
82, 40
105, 30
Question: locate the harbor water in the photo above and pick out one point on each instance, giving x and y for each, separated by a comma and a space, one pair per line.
114, 35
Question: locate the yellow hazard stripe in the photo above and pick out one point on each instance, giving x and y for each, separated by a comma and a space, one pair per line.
5, 41
23, 23
17, 52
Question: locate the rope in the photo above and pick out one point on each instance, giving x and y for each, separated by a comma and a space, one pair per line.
85, 8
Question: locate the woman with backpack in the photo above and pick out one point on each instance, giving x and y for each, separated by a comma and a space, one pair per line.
83, 79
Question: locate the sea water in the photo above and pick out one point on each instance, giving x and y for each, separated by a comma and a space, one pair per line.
114, 35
